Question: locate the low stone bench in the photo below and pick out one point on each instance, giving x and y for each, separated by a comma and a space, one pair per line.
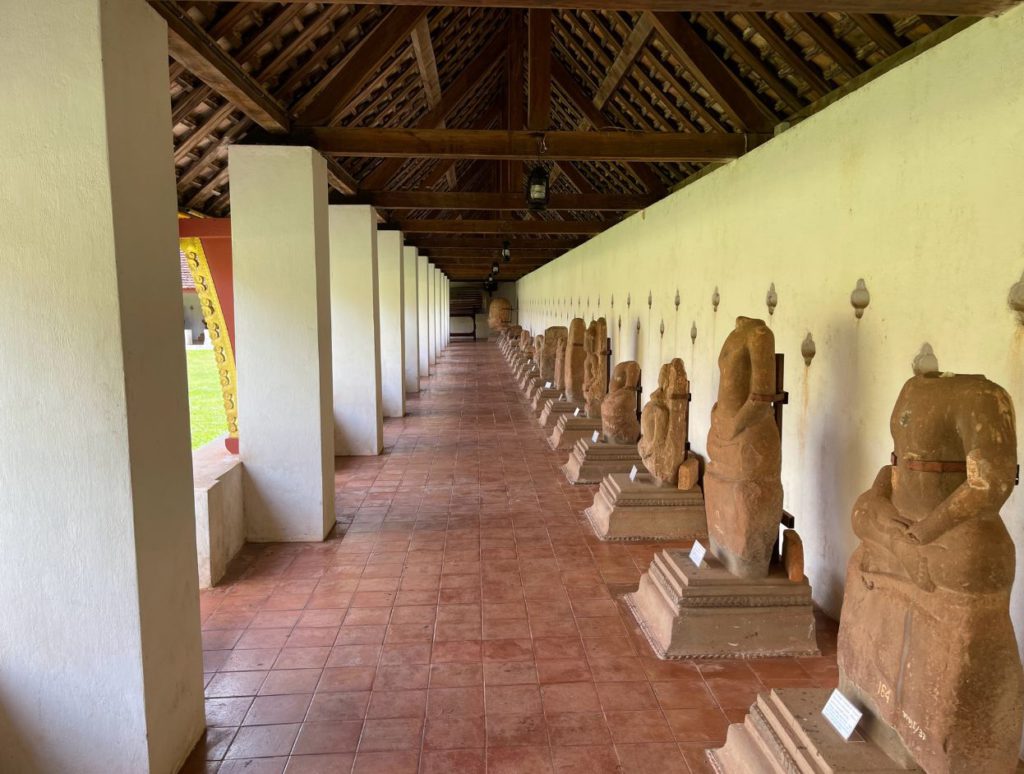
220, 525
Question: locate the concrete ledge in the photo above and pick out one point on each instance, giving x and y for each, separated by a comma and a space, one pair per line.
220, 521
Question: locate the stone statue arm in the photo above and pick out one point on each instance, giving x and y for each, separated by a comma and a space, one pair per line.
985, 426
875, 518
654, 421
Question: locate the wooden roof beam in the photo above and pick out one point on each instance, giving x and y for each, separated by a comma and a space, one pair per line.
426, 63
192, 47
539, 113
826, 41
460, 88
333, 94
485, 241
498, 201
429, 226
940, 7
526, 145
693, 52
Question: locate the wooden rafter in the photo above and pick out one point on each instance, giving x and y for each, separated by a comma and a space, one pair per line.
195, 50
334, 93
528, 146
484, 241
692, 51
940, 7
426, 63
825, 40
539, 113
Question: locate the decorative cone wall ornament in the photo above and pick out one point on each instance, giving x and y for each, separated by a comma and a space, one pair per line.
677, 300
807, 349
1016, 299
771, 299
715, 299
860, 298
693, 332
650, 299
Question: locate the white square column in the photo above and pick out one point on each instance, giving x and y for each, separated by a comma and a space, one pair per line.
423, 299
283, 329
355, 327
447, 319
432, 313
438, 279
100, 654
410, 270
391, 286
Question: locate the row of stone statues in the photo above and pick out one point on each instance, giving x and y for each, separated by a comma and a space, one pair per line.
926, 645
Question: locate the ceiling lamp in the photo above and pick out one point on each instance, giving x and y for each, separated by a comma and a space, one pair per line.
494, 269
537, 189
506, 252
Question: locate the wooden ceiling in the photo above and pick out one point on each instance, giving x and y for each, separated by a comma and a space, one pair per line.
435, 113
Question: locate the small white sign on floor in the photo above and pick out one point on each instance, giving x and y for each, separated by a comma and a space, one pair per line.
547, 385
632, 473
697, 552
841, 713
576, 413
596, 436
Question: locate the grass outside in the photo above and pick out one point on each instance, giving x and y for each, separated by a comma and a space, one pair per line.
205, 399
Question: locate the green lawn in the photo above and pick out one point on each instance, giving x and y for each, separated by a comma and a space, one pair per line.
205, 400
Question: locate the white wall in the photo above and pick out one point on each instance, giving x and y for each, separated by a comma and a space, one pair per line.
355, 331
283, 332
915, 183
100, 656
423, 299
392, 322
410, 258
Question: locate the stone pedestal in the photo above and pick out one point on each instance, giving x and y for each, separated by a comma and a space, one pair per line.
785, 732
642, 510
590, 462
528, 378
553, 409
569, 429
706, 612
540, 398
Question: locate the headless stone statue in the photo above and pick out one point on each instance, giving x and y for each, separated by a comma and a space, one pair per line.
525, 339
538, 347
595, 367
575, 355
548, 366
742, 483
663, 425
560, 349
926, 644
618, 409
499, 314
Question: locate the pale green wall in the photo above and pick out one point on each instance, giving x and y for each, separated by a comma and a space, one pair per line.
915, 183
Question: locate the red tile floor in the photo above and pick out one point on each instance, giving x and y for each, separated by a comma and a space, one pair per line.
461, 618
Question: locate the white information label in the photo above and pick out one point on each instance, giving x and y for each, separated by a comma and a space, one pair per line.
697, 553
576, 413
841, 714
596, 436
547, 385
632, 473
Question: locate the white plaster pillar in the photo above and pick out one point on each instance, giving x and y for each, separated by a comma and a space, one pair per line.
391, 288
100, 655
283, 329
355, 330
410, 270
423, 300
432, 313
447, 311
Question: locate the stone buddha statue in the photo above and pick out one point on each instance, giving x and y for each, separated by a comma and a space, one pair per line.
525, 339
926, 645
595, 367
575, 356
619, 423
560, 353
742, 481
552, 336
499, 314
663, 424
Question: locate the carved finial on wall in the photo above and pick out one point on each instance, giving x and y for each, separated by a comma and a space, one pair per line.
771, 299
859, 299
716, 299
693, 331
1016, 299
808, 349
677, 299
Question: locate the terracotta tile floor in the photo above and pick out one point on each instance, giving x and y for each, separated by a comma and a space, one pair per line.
462, 618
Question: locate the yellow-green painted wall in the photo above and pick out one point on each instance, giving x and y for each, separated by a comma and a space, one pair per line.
914, 183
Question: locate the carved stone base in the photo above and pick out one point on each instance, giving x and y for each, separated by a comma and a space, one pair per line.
553, 409
524, 368
706, 612
642, 510
785, 732
541, 397
569, 429
590, 462
528, 381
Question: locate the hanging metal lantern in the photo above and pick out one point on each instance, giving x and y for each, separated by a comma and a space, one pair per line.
537, 189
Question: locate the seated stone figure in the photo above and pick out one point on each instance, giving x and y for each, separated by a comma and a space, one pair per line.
618, 409
553, 337
663, 425
742, 482
561, 346
595, 367
574, 361
499, 314
926, 644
